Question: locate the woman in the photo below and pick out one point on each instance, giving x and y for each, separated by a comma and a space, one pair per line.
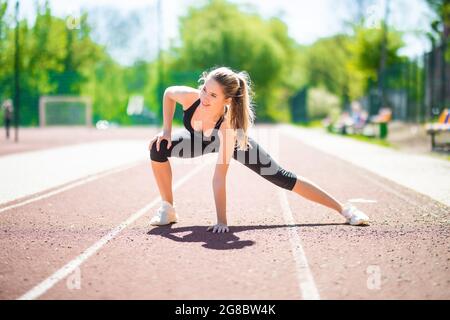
217, 118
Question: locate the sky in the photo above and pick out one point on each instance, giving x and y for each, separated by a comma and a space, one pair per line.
307, 20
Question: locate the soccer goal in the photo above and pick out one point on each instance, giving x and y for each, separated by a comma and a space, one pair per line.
65, 111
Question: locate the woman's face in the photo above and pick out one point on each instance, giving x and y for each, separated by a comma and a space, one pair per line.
212, 96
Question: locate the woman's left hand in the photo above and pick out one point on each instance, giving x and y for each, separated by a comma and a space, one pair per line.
219, 228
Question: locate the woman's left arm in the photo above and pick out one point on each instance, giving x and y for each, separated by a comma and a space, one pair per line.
227, 143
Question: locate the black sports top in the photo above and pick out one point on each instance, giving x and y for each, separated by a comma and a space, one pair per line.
189, 112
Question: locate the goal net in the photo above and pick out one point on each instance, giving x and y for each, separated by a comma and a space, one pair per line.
65, 111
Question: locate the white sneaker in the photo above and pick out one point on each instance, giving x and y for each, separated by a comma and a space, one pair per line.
354, 216
165, 215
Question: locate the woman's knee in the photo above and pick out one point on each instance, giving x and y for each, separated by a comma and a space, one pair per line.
284, 179
161, 155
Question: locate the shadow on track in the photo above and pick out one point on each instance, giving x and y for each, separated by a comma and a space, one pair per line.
220, 241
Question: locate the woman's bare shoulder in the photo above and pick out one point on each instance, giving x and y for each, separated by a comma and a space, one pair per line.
184, 95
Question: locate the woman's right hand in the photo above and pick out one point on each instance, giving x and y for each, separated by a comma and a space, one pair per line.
163, 135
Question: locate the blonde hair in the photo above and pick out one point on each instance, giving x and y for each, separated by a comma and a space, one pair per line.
236, 86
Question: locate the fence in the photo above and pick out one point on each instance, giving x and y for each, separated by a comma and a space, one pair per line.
415, 90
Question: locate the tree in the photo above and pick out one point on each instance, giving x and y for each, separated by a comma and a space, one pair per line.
441, 24
3, 57
365, 62
325, 65
220, 34
55, 59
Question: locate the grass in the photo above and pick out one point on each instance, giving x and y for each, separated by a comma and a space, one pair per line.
377, 141
310, 124
440, 156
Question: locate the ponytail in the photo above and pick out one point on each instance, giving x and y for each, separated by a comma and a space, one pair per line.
242, 115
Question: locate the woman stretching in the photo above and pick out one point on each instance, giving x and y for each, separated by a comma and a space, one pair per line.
217, 118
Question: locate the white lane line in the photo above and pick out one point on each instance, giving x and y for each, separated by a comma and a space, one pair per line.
390, 190
71, 186
378, 183
66, 270
421, 173
305, 279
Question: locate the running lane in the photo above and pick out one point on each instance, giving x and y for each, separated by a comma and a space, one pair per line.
403, 254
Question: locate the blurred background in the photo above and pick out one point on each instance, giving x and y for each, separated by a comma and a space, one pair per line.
323, 63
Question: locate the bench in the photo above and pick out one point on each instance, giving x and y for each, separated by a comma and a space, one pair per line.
433, 129
363, 125
382, 119
372, 127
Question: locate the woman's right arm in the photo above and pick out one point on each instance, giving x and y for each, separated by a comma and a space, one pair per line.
184, 95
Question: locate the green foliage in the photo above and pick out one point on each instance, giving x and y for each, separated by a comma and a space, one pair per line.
441, 24
325, 64
59, 60
366, 52
220, 34
54, 59
345, 65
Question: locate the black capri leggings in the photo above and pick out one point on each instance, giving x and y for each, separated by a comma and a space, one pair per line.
188, 145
